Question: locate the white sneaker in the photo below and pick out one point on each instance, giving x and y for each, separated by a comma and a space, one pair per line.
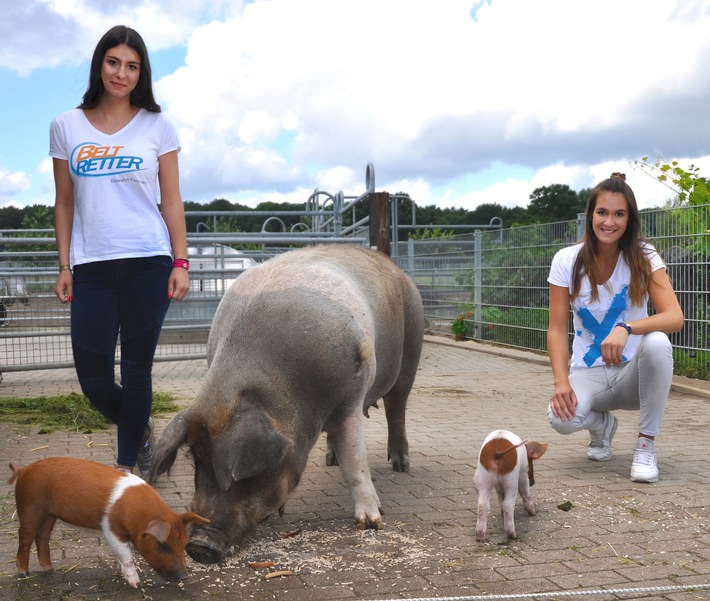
643, 467
599, 448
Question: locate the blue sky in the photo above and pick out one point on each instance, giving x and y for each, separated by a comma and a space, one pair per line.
456, 102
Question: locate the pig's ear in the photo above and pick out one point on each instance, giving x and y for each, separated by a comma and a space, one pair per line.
248, 447
172, 438
160, 529
536, 449
192, 518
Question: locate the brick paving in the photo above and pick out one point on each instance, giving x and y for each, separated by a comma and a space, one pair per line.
620, 540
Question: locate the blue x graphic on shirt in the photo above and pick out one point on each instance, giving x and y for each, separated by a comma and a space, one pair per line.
599, 330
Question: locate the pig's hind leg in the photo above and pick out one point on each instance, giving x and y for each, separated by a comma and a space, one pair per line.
524, 486
506, 498
35, 525
348, 440
42, 541
484, 506
395, 402
330, 457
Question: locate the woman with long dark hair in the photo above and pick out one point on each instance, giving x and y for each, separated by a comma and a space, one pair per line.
621, 356
122, 256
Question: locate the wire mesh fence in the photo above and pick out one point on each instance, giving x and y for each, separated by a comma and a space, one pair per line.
490, 286
35, 326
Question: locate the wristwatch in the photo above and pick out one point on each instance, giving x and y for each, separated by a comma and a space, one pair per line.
626, 326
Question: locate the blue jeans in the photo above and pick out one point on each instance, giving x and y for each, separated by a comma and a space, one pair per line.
130, 297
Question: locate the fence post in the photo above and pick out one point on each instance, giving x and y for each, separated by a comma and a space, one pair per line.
580, 226
410, 257
477, 297
380, 221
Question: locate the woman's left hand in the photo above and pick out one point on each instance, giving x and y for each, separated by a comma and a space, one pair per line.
178, 284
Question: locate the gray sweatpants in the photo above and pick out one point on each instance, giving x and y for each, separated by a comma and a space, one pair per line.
641, 385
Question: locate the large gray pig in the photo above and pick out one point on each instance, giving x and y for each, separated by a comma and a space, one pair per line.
304, 343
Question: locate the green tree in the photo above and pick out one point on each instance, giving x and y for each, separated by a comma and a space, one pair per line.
38, 217
583, 196
557, 202
692, 195
687, 184
483, 214
11, 218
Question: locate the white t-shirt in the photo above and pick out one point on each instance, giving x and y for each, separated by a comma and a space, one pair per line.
594, 320
116, 213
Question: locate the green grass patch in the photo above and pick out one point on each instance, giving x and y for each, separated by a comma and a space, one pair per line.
691, 364
70, 412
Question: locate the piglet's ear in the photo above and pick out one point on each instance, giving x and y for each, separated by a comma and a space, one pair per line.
536, 450
249, 446
159, 529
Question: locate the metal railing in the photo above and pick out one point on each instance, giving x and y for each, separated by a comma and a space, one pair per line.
494, 280
34, 326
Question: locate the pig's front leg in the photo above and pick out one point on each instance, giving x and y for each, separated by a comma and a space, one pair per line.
124, 556
126, 565
348, 441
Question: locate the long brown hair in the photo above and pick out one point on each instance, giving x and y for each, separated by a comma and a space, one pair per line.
142, 95
587, 262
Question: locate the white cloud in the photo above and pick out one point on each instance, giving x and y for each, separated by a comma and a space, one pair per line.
425, 93
45, 33
11, 185
280, 97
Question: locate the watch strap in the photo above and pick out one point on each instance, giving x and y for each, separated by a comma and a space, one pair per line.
624, 325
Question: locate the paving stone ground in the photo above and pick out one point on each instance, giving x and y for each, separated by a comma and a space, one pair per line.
619, 540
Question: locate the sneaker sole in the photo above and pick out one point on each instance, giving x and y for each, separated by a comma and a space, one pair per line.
643, 480
599, 459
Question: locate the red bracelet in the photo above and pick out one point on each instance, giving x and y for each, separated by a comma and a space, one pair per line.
184, 263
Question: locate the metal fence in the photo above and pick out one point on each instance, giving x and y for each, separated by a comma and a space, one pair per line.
495, 281
34, 325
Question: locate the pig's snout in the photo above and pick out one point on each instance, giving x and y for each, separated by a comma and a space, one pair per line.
203, 550
175, 574
207, 544
170, 569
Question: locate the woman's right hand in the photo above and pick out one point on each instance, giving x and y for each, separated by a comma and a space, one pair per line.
64, 287
563, 402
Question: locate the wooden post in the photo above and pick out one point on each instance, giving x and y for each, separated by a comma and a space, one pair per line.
380, 222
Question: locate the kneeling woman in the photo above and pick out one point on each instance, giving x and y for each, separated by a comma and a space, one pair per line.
621, 355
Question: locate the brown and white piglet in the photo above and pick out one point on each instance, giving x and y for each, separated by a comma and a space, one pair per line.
505, 463
91, 495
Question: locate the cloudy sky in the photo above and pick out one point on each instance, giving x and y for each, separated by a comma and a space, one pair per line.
457, 102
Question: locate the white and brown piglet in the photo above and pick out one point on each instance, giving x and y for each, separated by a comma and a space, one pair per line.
506, 463
91, 495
